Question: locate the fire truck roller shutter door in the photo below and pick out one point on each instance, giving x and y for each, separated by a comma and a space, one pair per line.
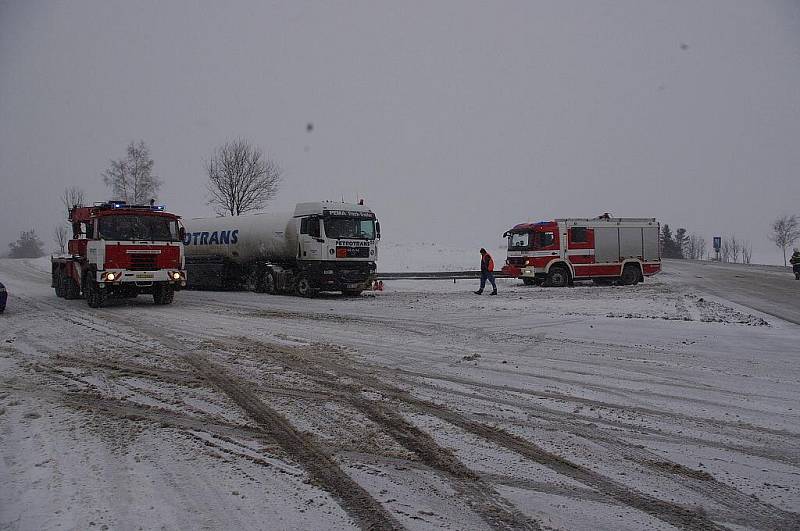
630, 242
606, 245
650, 236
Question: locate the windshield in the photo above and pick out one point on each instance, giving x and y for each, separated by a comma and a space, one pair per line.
519, 241
131, 228
350, 228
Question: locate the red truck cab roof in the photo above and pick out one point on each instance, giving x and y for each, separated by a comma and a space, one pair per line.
530, 227
84, 213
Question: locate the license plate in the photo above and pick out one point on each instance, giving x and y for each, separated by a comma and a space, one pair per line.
353, 286
144, 275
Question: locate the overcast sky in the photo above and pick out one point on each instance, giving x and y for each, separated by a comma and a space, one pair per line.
455, 120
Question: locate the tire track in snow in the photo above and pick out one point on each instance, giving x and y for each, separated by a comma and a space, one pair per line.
304, 361
495, 510
353, 498
610, 405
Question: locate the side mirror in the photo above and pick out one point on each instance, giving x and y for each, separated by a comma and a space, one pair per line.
182, 233
378, 229
505, 234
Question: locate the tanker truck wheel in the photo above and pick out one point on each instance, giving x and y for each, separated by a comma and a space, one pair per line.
255, 281
270, 285
304, 288
163, 294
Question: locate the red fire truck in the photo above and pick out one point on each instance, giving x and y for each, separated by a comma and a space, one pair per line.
121, 250
603, 249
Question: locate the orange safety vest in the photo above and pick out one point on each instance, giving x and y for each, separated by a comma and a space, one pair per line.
490, 263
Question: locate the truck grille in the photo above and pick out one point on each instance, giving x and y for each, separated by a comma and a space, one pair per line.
516, 260
143, 262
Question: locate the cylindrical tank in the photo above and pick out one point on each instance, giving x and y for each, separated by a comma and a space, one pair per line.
267, 236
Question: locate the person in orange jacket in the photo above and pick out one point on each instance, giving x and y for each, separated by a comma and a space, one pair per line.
487, 272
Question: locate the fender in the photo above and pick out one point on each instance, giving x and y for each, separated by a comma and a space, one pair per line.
560, 262
635, 261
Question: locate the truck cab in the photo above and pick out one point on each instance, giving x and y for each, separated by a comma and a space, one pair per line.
121, 250
526, 241
337, 247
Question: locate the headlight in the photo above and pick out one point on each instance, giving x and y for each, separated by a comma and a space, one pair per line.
110, 276
176, 275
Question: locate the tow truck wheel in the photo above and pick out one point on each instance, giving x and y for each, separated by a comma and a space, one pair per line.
59, 282
163, 294
95, 297
630, 275
304, 287
558, 277
71, 289
528, 281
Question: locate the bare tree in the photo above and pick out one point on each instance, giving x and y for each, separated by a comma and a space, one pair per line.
240, 178
747, 252
131, 179
73, 196
60, 236
785, 231
701, 248
695, 247
736, 248
725, 251
27, 246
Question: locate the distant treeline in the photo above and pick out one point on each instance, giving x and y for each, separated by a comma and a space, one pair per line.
694, 247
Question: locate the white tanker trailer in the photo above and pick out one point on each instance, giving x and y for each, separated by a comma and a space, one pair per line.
320, 247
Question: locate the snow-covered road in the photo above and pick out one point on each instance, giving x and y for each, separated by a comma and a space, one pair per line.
769, 289
656, 406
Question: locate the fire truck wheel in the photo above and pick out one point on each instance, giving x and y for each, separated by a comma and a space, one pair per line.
71, 289
558, 277
95, 297
527, 281
630, 275
163, 294
304, 288
59, 282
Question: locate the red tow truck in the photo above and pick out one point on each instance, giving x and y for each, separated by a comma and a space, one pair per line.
121, 250
604, 249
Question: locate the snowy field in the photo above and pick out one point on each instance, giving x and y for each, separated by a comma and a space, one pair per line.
424, 406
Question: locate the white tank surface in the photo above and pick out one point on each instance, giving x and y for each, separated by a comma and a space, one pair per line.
267, 236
